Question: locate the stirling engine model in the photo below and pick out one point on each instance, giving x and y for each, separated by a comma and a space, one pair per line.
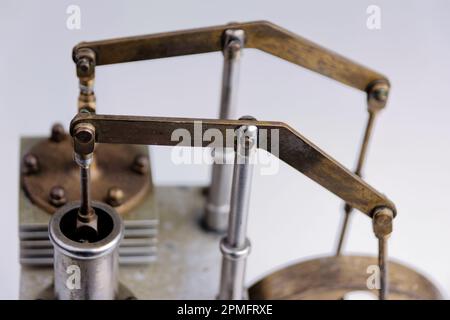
120, 237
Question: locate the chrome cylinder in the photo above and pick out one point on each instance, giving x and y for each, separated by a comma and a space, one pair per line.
235, 247
217, 206
85, 270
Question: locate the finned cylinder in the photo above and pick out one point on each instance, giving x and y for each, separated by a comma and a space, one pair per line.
85, 270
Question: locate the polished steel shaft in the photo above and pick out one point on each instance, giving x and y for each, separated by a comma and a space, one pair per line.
235, 246
218, 203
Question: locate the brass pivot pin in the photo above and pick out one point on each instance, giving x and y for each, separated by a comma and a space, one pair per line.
382, 227
377, 95
84, 143
85, 64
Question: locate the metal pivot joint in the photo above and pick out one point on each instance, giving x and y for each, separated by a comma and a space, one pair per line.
85, 66
84, 145
235, 246
382, 227
377, 94
218, 204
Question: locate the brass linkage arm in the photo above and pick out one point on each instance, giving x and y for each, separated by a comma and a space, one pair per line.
261, 35
294, 149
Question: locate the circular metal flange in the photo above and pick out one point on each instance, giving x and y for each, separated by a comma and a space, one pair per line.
331, 278
114, 166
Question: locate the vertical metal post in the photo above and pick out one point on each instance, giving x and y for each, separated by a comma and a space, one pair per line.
235, 246
218, 202
382, 227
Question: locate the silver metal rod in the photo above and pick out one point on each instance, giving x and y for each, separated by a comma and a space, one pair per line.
217, 206
358, 171
235, 246
85, 206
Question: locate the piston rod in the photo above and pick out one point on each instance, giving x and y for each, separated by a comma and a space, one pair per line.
377, 95
84, 143
235, 246
218, 203
382, 227
358, 171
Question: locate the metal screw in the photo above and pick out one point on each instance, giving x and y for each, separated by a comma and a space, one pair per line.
31, 163
57, 133
84, 65
58, 196
115, 196
141, 164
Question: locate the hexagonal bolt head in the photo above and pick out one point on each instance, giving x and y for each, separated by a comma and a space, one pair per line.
57, 196
115, 196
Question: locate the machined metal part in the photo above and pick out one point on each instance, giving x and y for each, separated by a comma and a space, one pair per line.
358, 171
188, 265
261, 35
85, 67
84, 145
85, 269
48, 166
377, 95
219, 195
382, 227
235, 246
293, 148
178, 275
58, 183
331, 278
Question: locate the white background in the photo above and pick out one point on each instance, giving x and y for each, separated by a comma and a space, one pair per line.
291, 217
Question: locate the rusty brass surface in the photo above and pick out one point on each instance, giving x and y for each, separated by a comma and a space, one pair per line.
261, 35
332, 278
294, 149
113, 167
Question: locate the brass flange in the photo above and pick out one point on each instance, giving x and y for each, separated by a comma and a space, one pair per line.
50, 177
